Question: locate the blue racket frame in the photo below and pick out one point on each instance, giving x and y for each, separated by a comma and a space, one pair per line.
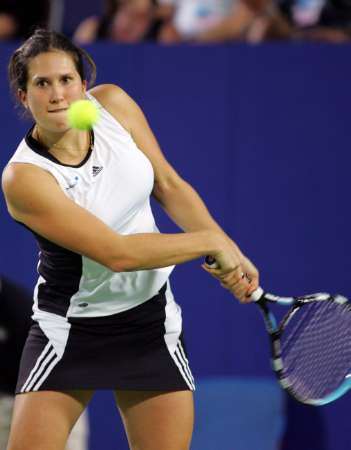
262, 299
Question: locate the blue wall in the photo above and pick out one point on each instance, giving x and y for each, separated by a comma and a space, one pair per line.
263, 133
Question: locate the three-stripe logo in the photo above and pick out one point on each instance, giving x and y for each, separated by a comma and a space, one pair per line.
97, 170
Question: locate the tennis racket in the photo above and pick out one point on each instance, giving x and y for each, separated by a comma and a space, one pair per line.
311, 345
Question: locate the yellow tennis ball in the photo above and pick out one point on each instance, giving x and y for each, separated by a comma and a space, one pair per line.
82, 114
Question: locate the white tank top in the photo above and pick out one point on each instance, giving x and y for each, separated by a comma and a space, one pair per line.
113, 182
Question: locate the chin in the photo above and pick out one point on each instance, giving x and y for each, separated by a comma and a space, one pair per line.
62, 129
58, 127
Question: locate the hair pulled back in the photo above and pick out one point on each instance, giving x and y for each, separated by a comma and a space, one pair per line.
43, 41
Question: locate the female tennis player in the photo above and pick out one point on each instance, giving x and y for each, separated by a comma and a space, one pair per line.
104, 314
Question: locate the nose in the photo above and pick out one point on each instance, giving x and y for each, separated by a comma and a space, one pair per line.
57, 93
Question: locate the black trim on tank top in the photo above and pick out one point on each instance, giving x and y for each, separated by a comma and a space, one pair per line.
61, 270
41, 150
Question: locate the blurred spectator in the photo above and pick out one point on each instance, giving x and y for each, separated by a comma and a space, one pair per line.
18, 18
204, 20
316, 20
255, 20
15, 313
125, 21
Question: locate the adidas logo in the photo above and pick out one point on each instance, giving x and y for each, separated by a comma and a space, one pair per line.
97, 170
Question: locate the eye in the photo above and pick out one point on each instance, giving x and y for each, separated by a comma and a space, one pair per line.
66, 79
42, 83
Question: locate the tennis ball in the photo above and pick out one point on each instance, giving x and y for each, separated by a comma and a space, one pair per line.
82, 114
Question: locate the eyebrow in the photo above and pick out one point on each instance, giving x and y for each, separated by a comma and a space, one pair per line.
43, 78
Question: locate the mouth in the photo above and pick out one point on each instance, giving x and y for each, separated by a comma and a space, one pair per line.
58, 110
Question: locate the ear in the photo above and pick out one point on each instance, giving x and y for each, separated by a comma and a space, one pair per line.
22, 96
85, 85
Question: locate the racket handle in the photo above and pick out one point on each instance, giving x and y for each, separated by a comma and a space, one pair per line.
257, 294
212, 263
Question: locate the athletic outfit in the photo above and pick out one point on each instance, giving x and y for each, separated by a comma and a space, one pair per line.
94, 328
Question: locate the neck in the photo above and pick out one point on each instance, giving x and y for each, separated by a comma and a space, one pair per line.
72, 143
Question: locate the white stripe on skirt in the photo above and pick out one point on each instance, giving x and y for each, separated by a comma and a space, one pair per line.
46, 373
184, 370
173, 328
42, 369
35, 368
187, 367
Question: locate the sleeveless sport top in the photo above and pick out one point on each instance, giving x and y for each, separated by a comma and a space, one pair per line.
113, 182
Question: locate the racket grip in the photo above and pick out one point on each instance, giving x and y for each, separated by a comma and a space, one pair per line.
257, 294
212, 263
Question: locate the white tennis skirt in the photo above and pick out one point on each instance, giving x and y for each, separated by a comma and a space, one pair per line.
138, 349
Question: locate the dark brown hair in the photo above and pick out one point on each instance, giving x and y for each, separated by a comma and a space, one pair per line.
43, 41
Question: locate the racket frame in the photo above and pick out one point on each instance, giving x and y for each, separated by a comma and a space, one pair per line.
275, 331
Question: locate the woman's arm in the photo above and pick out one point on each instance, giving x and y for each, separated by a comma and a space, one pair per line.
178, 198
34, 198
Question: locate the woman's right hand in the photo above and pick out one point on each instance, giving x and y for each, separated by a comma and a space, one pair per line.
229, 270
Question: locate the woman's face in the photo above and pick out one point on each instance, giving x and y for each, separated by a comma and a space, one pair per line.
132, 21
53, 84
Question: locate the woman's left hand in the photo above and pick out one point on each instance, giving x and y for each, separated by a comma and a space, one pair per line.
242, 284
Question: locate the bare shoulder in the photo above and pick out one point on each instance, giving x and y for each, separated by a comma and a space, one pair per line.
17, 175
23, 183
117, 102
106, 93
34, 198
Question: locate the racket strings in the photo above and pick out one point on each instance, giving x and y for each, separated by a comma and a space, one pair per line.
316, 348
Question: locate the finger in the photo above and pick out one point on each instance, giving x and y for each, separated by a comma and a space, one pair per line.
233, 279
249, 279
242, 297
241, 290
216, 273
233, 276
223, 276
232, 286
236, 285
252, 289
